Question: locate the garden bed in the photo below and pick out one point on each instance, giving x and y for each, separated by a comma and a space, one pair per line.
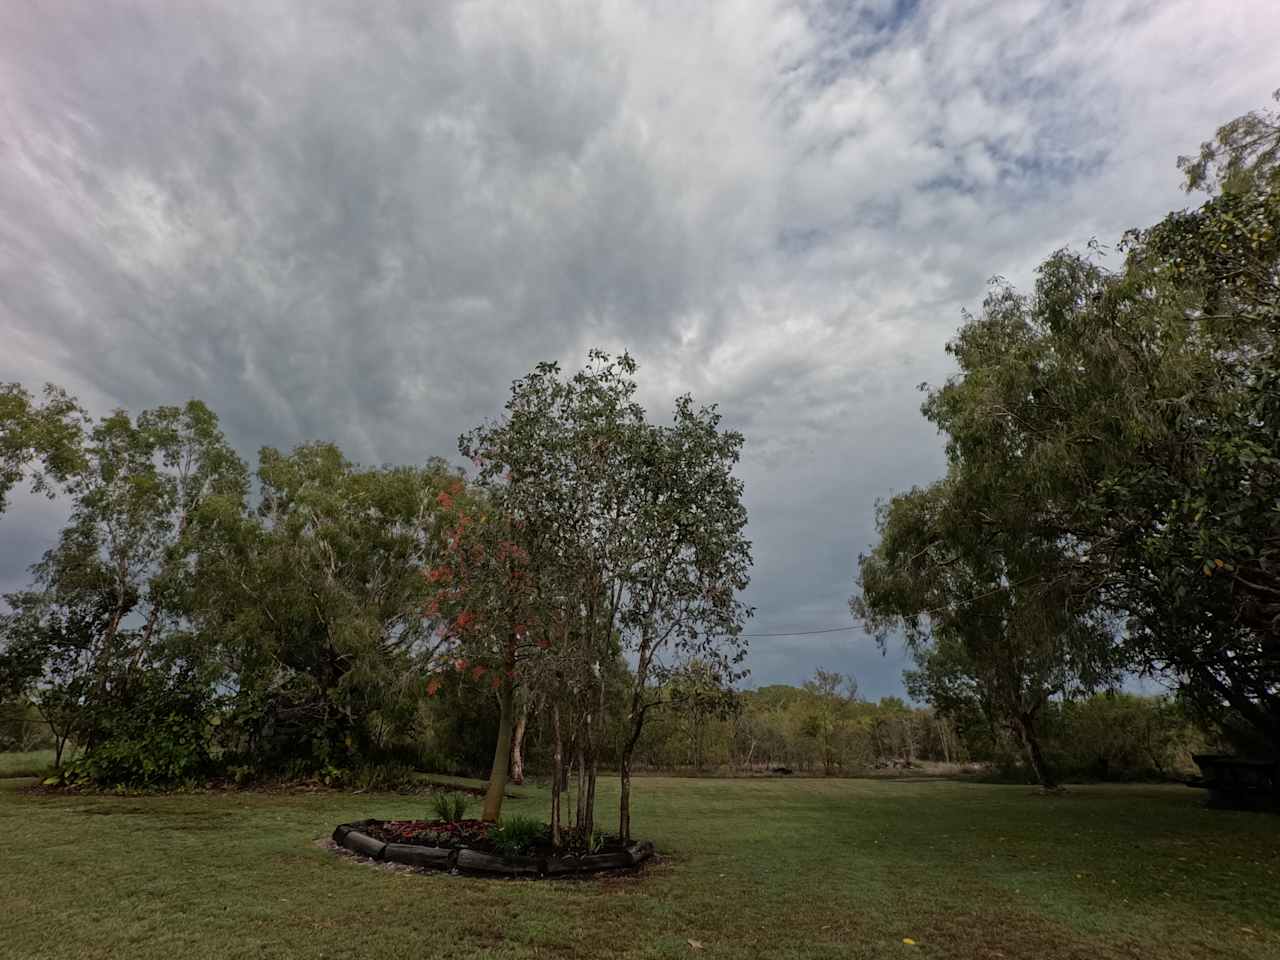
466, 846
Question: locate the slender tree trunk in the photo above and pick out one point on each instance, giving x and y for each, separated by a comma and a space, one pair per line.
624, 773
501, 755
1031, 740
517, 742
580, 813
624, 796
557, 772
595, 728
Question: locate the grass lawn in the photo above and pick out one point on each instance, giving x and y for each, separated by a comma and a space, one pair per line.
30, 763
751, 868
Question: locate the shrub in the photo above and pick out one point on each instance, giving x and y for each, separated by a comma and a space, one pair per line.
516, 834
450, 807
157, 738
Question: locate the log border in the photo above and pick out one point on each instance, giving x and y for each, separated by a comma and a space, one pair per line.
351, 836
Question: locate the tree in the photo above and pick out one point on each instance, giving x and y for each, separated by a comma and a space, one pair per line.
50, 433
109, 615
687, 561
314, 605
986, 604
50, 653
630, 536
827, 721
1141, 409
484, 596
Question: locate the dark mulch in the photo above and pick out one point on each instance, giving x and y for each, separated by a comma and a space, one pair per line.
473, 835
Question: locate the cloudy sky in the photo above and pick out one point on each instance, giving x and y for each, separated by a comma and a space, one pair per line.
360, 221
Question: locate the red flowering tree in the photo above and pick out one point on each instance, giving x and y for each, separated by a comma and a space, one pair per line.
483, 596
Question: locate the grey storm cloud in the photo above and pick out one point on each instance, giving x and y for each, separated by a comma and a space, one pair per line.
360, 222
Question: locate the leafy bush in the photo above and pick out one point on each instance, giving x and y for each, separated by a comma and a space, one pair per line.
516, 834
450, 807
158, 737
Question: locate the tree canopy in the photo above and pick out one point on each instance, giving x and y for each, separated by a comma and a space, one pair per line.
1124, 426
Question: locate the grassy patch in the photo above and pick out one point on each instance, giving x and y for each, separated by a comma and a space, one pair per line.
31, 763
794, 868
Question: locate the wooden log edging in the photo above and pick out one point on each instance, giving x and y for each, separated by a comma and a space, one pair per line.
351, 836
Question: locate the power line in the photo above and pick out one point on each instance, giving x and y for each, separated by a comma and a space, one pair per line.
923, 613
803, 633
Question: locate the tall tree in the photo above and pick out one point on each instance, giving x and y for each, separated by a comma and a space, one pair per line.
315, 605
689, 560
1140, 413
112, 601
985, 602
631, 536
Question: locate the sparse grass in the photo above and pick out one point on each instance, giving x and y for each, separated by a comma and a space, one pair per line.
751, 868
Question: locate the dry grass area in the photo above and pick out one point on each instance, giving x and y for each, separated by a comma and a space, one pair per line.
752, 868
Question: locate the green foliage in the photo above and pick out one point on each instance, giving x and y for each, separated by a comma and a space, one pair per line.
157, 735
1114, 447
1124, 737
102, 644
515, 834
449, 806
50, 433
589, 530
315, 606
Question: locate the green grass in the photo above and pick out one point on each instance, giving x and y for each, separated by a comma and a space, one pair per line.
30, 763
751, 868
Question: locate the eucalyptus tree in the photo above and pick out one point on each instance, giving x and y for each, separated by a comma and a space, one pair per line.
551, 472
1129, 420
631, 540
986, 605
112, 601
689, 560
315, 604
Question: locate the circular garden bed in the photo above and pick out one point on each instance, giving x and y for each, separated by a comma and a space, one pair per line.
464, 846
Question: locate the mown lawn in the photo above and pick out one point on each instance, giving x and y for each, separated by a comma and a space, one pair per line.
751, 868
30, 763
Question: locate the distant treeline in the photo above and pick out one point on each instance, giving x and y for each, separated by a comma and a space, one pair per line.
819, 729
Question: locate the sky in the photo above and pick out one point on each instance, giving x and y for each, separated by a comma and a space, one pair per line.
359, 222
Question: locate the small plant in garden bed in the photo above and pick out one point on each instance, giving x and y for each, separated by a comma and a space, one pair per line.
516, 836
449, 807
